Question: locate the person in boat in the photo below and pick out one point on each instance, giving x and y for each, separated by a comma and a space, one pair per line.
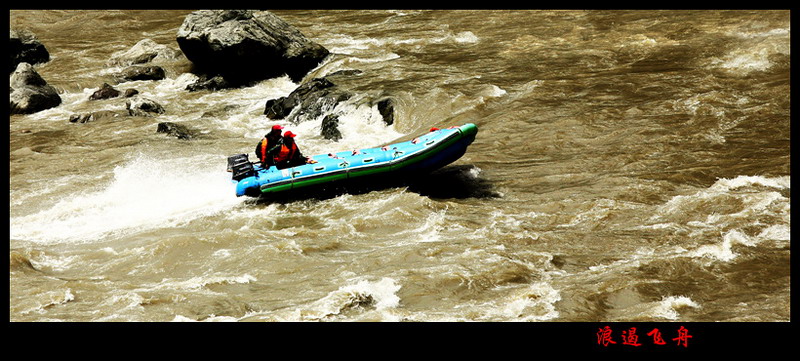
268, 145
289, 154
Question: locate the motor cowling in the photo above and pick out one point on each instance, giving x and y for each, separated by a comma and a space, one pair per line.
240, 167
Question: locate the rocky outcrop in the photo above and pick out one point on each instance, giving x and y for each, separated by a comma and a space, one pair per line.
138, 61
24, 47
94, 116
210, 83
145, 51
179, 131
330, 128
30, 93
311, 99
386, 109
245, 46
318, 97
107, 92
139, 106
142, 72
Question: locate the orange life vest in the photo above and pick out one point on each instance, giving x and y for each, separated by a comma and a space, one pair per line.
285, 153
263, 150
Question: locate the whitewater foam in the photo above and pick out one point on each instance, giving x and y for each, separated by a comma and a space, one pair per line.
758, 56
534, 303
145, 193
380, 295
669, 307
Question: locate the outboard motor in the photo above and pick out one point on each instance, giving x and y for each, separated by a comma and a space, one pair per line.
240, 166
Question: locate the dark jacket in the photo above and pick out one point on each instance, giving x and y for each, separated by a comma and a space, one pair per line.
272, 143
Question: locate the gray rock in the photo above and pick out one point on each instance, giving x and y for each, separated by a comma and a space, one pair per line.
179, 131
24, 47
246, 46
318, 97
143, 107
330, 128
311, 99
145, 51
105, 92
93, 116
29, 92
143, 72
386, 109
212, 83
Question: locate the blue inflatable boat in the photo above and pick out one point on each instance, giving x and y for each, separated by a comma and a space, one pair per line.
426, 153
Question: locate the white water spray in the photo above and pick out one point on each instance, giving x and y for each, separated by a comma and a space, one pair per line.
145, 193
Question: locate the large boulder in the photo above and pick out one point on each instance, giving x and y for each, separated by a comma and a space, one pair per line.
24, 47
245, 46
30, 93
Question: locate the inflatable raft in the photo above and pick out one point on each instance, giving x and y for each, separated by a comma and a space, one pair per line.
423, 154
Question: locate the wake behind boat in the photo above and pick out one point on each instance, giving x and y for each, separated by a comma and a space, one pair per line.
421, 155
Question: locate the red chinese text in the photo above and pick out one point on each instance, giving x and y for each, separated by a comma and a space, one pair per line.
628, 337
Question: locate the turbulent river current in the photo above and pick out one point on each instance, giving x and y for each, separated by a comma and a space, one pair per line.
629, 166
